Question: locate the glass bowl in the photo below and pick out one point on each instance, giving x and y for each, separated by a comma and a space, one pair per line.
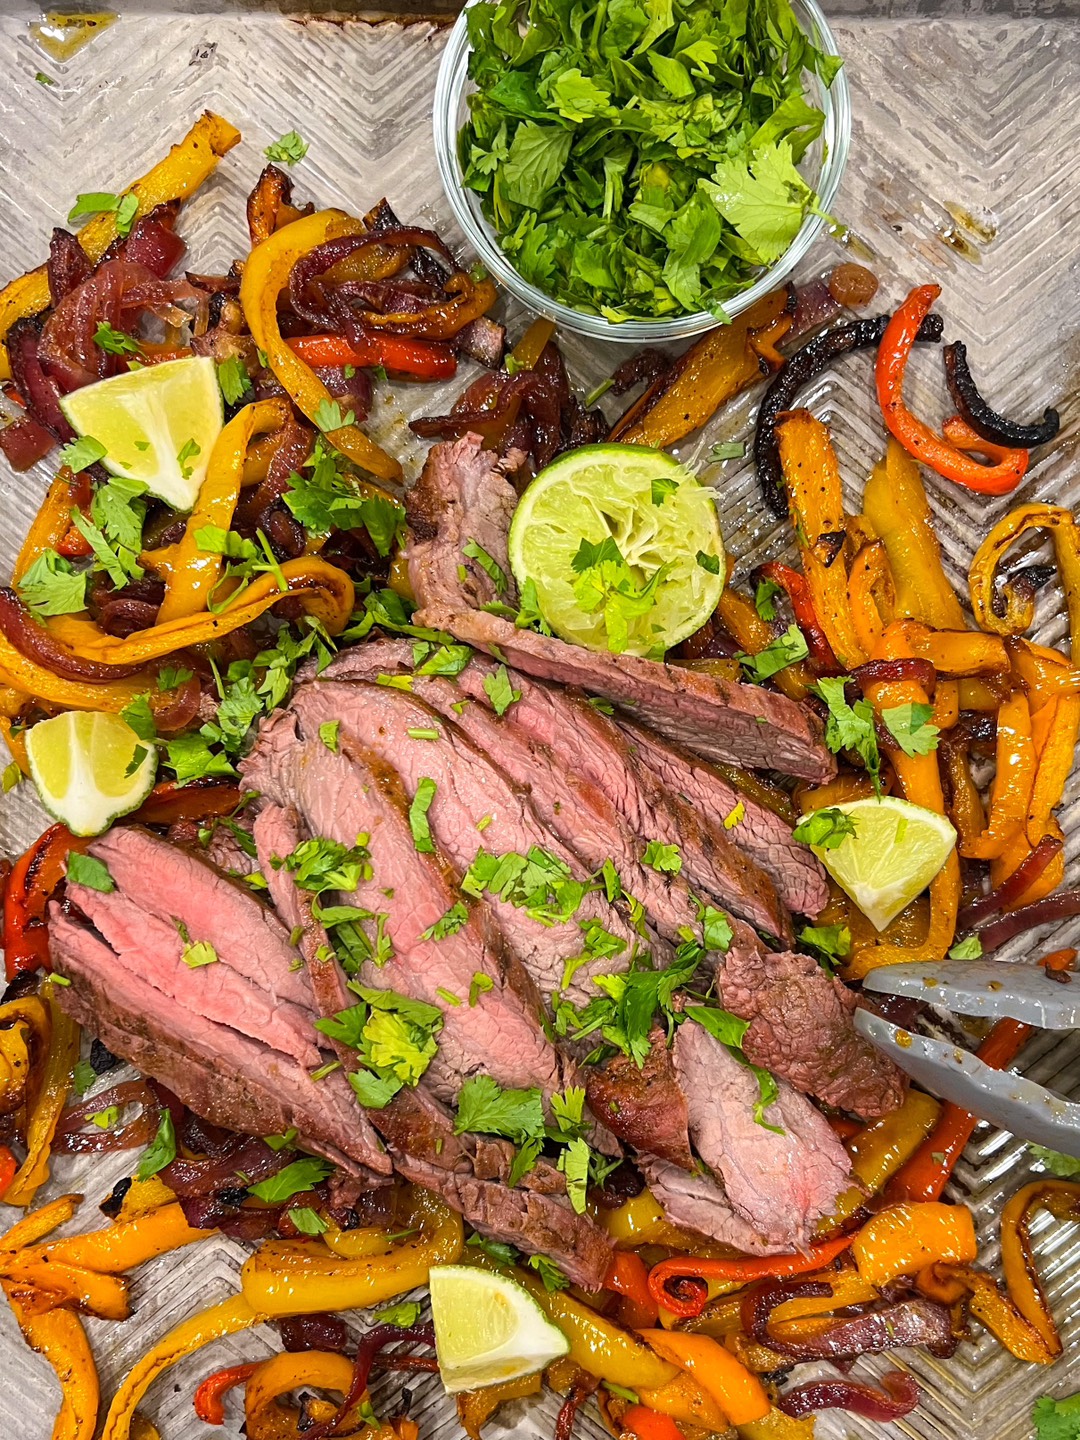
822, 168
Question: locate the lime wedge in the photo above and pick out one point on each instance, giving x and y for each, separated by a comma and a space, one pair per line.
896, 851
657, 513
158, 424
488, 1328
80, 762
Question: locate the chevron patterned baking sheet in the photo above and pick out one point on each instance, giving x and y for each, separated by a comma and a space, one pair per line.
964, 170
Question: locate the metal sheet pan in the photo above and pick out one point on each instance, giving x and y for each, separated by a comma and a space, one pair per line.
964, 170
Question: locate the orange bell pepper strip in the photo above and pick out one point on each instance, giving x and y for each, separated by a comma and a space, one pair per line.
908, 1237
806, 612
685, 1400
961, 653
895, 504
752, 634
1042, 673
628, 1276
917, 438
926, 1174
59, 1337
715, 369
30, 886
266, 273
34, 680
56, 1081
193, 572
648, 1424
175, 177
1019, 607
1061, 1198
739, 1394
1055, 740
1013, 782
533, 343
812, 479
946, 710
739, 1270
871, 578
994, 1310
326, 592
45, 1285
8, 1167
209, 1398
965, 807
123, 1245
50, 525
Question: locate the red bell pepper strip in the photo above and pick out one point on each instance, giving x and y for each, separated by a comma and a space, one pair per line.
629, 1277
741, 1270
926, 1174
422, 359
914, 434
8, 1166
169, 802
649, 1424
802, 605
209, 1398
29, 889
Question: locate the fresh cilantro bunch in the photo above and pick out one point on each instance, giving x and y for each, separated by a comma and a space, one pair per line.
639, 157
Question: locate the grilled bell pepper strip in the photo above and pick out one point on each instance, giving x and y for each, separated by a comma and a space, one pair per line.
45, 1285
715, 369
738, 1393
917, 438
397, 354
56, 1083
994, 1310
1061, 1198
8, 1166
871, 597
50, 525
123, 1245
227, 1318
1019, 610
175, 177
533, 343
906, 1238
798, 591
1055, 746
326, 592
741, 1270
752, 634
960, 653
960, 434
926, 1174
29, 678
979, 415
194, 572
685, 1401
628, 1276
169, 802
285, 1277
812, 480
266, 273
59, 1337
209, 1398
36, 875
646, 1424
964, 804
896, 506
1013, 780
879, 1149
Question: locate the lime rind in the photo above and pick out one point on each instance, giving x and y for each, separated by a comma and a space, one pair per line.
897, 850
488, 1328
79, 761
608, 490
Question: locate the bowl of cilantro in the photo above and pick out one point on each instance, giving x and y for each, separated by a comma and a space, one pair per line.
641, 170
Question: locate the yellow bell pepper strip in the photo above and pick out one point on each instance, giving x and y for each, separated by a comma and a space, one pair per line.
1019, 607
55, 1087
960, 653
476, 1407
1067, 554
34, 680
532, 344
993, 1309
1043, 674
1061, 1198
686, 1401
194, 572
356, 1244
739, 1394
175, 177
1013, 780
906, 1238
25, 1029
713, 371
125, 1244
266, 273
143, 1196
327, 593
49, 526
778, 1426
753, 634
723, 1316
43, 1285
264, 1419
228, 1317
39, 1223
59, 1338
878, 1151
812, 479
871, 597
285, 1277
895, 503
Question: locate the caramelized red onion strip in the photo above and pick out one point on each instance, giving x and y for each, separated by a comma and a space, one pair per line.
374, 1341
71, 1137
37, 644
1062, 906
1010, 889
900, 1397
907, 1322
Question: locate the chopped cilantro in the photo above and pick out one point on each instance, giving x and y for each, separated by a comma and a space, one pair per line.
83, 1077
82, 453
294, 1179
233, 379
499, 691
52, 586
831, 941
328, 734
89, 871
102, 202
665, 859
328, 416
1066, 1167
828, 828
479, 985
850, 727
418, 815
485, 1107
200, 954
448, 924
726, 450
114, 342
787, 649
162, 1149
765, 599
708, 562
475, 551
1056, 1419
403, 1314
969, 949
287, 149
909, 726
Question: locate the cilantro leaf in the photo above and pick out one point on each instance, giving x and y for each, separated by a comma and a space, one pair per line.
850, 727
1066, 1167
1056, 1419
233, 379
294, 1179
552, 1276
114, 342
485, 1107
720, 1024
762, 196
403, 1314
827, 828
89, 871
162, 1149
307, 1220
499, 691
449, 924
52, 586
81, 454
765, 599
491, 567
288, 149
786, 649
418, 815
831, 941
665, 859
969, 949
910, 728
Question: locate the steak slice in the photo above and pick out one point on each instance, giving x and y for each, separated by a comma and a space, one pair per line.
644, 1108
801, 1029
697, 1202
351, 792
470, 793
154, 950
780, 1182
461, 495
227, 1078
176, 885
760, 833
569, 799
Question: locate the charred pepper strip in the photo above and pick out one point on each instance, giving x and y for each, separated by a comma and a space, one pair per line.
799, 369
797, 589
914, 434
984, 420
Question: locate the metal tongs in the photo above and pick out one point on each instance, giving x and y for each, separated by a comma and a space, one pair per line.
997, 988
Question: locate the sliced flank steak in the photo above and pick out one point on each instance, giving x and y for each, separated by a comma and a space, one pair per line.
585, 786
351, 792
222, 1075
758, 831
474, 807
